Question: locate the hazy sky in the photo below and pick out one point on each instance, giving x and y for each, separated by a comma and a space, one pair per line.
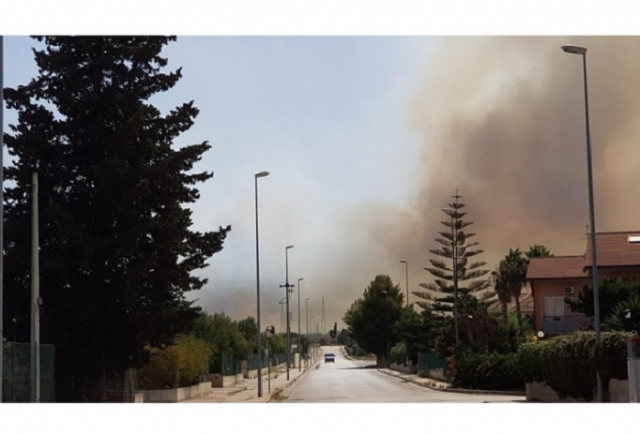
366, 138
325, 115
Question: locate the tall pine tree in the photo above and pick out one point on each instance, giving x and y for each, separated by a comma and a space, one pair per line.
439, 295
117, 252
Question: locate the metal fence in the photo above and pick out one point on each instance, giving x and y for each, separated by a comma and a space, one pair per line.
122, 387
430, 361
18, 384
228, 364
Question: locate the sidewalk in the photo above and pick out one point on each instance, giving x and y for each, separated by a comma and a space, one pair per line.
442, 386
247, 391
437, 385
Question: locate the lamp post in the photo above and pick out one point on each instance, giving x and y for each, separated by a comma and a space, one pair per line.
306, 309
256, 176
299, 330
574, 49
406, 267
454, 258
270, 331
288, 317
386, 333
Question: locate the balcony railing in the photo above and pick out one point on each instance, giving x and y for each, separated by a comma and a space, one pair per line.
566, 323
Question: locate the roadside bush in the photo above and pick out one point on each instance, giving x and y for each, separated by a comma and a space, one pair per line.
488, 372
506, 337
179, 365
398, 354
530, 361
361, 353
568, 364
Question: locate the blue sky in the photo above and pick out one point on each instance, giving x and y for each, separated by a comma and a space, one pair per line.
325, 115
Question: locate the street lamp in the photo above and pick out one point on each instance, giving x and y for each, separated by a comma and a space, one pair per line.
270, 331
287, 291
299, 331
454, 258
574, 49
256, 176
306, 309
406, 267
386, 333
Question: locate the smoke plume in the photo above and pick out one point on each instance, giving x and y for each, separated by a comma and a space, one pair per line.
503, 120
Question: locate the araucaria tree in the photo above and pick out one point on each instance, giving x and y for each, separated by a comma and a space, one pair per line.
455, 249
117, 250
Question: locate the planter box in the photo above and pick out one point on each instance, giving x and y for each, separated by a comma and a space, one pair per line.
218, 380
176, 395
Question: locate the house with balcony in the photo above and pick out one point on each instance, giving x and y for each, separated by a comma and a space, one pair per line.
555, 278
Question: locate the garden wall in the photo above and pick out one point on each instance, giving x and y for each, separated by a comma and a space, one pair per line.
177, 395
618, 392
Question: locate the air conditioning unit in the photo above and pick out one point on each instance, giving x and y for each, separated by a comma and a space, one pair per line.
568, 290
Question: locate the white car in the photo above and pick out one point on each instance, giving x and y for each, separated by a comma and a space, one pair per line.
329, 357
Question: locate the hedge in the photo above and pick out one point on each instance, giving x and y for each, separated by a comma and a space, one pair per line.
568, 364
179, 365
488, 372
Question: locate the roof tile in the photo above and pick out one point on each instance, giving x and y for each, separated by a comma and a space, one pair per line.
614, 250
556, 267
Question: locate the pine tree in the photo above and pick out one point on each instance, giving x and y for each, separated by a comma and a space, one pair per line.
440, 294
117, 251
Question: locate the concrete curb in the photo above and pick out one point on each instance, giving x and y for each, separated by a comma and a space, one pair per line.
453, 390
295, 379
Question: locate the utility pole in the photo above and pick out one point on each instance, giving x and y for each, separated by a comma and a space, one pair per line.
306, 308
288, 290
35, 293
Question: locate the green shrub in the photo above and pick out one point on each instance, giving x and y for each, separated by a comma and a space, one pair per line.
194, 359
568, 364
398, 353
506, 337
530, 361
488, 372
179, 365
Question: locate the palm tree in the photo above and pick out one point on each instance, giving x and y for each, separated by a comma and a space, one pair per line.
626, 315
501, 288
514, 269
537, 251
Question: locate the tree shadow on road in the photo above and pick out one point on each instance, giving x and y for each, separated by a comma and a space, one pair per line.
362, 367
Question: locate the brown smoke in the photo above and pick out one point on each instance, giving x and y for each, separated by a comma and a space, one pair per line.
503, 120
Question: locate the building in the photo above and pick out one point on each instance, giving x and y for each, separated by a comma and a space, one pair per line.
553, 278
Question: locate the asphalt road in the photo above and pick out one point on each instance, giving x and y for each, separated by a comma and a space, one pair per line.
358, 382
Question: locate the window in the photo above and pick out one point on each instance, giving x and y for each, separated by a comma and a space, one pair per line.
554, 306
